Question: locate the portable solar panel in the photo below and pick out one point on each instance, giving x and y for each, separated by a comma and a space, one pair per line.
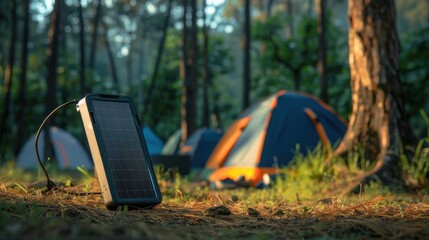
118, 148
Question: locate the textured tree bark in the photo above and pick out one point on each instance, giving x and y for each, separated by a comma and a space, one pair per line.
378, 120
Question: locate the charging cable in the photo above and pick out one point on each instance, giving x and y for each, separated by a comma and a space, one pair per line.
50, 185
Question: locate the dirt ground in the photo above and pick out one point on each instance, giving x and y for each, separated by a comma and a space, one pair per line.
59, 215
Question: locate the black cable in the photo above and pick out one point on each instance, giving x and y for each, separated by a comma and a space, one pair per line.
50, 184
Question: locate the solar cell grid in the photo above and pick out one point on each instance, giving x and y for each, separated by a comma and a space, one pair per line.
124, 153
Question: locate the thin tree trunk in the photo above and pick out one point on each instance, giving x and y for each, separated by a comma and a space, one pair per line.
269, 7
193, 58
161, 46
63, 86
141, 70
184, 74
206, 71
217, 121
297, 78
129, 66
188, 88
82, 51
290, 28
51, 82
378, 119
22, 100
3, 25
246, 58
141, 65
94, 37
321, 63
111, 59
8, 74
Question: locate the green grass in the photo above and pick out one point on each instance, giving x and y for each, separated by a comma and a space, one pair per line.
415, 160
302, 204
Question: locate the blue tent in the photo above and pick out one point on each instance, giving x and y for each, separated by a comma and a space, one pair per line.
266, 135
153, 142
200, 145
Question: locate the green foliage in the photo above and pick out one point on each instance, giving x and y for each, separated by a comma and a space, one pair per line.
415, 168
414, 74
163, 113
288, 61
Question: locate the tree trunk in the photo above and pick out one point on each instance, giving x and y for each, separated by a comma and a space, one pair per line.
246, 58
193, 59
129, 65
8, 74
51, 82
184, 74
22, 103
3, 25
206, 71
95, 36
269, 8
290, 28
111, 59
141, 70
378, 120
63, 87
321, 63
296, 72
188, 88
82, 51
151, 88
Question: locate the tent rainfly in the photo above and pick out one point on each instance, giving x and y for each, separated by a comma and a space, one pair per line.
266, 135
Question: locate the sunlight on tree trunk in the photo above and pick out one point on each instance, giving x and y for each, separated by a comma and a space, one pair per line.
378, 120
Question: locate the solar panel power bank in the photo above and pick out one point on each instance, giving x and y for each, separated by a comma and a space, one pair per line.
118, 148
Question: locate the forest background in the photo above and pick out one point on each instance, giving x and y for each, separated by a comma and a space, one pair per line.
55, 51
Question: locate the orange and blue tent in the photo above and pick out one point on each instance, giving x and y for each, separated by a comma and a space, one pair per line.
266, 135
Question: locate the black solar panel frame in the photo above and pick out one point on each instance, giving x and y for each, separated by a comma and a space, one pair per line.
116, 199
